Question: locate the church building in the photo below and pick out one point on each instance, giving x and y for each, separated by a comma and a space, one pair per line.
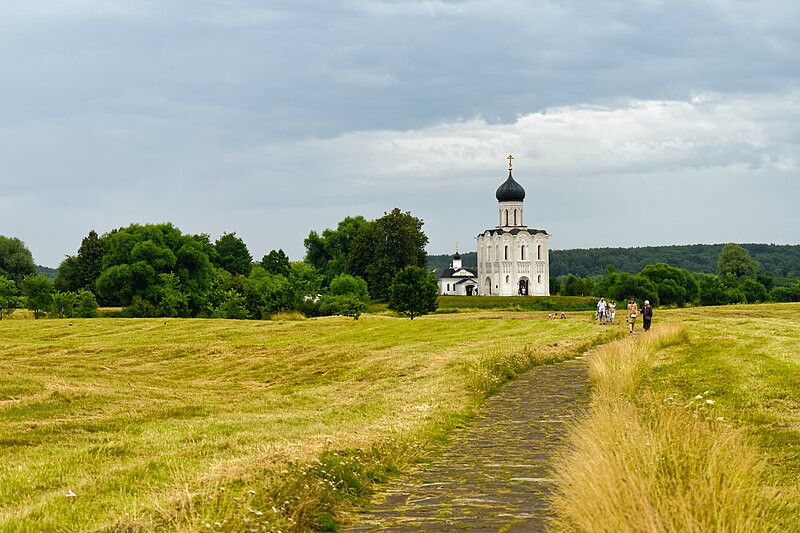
457, 280
512, 258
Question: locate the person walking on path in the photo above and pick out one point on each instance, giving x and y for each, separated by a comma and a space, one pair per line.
633, 312
601, 311
647, 315
611, 312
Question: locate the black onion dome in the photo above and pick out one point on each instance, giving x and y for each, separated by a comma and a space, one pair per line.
510, 191
457, 256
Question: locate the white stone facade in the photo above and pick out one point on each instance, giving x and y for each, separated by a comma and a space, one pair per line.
457, 280
513, 259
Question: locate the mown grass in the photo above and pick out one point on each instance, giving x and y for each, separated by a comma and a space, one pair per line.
693, 427
183, 425
517, 303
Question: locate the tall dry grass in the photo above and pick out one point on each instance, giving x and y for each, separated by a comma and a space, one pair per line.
641, 463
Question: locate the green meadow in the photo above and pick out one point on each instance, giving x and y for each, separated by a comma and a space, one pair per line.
694, 426
215, 425
148, 424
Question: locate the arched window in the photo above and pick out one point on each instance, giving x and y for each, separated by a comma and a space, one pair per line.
505, 252
522, 252
508, 278
539, 278
506, 217
515, 217
539, 251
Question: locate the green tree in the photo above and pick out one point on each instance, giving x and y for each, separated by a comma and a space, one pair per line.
9, 301
138, 265
266, 293
626, 285
63, 304
753, 291
384, 248
304, 282
736, 261
330, 252
347, 284
232, 305
414, 292
555, 286
786, 294
574, 286
233, 255
675, 286
714, 291
670, 293
86, 304
172, 302
347, 296
68, 276
316, 253
82, 270
38, 292
16, 261
277, 262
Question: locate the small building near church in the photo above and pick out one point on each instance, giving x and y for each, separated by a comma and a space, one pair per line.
513, 260
457, 280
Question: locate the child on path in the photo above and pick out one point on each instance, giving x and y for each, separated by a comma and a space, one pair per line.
611, 311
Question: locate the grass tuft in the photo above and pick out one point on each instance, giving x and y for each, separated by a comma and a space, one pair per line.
639, 463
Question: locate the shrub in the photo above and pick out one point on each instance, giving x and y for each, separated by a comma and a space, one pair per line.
344, 305
86, 305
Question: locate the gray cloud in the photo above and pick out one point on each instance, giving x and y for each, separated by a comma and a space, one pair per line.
272, 121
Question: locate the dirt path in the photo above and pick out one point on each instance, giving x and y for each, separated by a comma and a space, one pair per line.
495, 474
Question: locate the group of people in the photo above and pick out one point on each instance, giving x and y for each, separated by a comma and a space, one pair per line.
607, 311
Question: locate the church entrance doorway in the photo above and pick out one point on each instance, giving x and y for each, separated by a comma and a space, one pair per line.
523, 287
469, 289
487, 287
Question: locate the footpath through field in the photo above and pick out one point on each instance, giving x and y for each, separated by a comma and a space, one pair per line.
495, 474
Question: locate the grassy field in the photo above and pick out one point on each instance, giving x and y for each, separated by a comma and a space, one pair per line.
148, 424
693, 427
546, 304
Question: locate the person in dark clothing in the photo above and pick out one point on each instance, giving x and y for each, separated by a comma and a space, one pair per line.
647, 315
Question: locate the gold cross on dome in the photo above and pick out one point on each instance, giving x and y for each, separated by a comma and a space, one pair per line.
510, 157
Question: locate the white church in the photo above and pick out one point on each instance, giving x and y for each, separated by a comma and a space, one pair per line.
513, 259
457, 280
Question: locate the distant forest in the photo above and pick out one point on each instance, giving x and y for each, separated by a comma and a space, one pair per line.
773, 259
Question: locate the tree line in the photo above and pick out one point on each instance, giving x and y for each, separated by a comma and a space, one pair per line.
778, 261
738, 279
155, 270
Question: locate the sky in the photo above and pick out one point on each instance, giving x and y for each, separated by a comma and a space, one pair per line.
631, 122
